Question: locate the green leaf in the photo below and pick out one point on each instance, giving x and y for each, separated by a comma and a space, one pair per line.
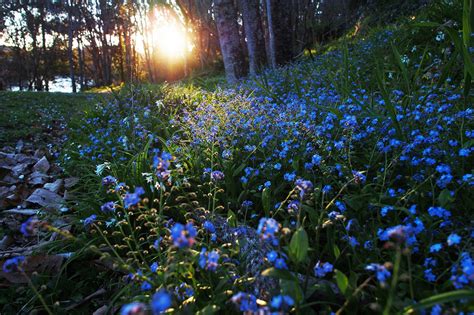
445, 198
208, 310
266, 201
466, 23
336, 251
238, 170
426, 24
342, 281
231, 218
293, 289
299, 245
440, 299
278, 273
402, 67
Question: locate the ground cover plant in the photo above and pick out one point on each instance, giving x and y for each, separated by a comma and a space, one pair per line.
339, 184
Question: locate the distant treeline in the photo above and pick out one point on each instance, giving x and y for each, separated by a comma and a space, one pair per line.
98, 40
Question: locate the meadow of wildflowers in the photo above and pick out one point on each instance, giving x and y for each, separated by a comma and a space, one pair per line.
342, 184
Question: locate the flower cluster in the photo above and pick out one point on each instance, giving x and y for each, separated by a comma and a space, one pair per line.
183, 235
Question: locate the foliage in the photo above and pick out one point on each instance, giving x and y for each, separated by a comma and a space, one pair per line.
334, 184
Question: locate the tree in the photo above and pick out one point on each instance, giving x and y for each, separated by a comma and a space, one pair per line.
280, 31
229, 39
253, 34
70, 36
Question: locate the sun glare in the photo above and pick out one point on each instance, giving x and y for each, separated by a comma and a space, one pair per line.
171, 41
169, 35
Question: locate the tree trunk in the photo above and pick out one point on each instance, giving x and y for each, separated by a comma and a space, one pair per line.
271, 34
80, 54
280, 31
44, 51
229, 39
121, 59
254, 34
70, 50
128, 56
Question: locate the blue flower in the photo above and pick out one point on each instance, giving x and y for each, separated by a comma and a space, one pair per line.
146, 286
289, 177
272, 256
247, 204
381, 272
280, 263
435, 248
132, 199
464, 152
304, 187
454, 239
246, 302
444, 180
359, 177
463, 271
13, 264
157, 242
183, 291
154, 267
429, 275
208, 260
28, 227
160, 302
226, 154
209, 226
341, 206
385, 210
134, 308
108, 207
353, 242
293, 206
183, 236
217, 176
333, 215
469, 179
162, 164
282, 302
321, 269
316, 160
436, 310
439, 212
327, 189
268, 228
89, 220
109, 181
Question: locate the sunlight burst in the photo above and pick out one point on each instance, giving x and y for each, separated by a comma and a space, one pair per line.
169, 35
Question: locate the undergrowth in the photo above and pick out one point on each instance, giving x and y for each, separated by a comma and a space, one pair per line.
340, 184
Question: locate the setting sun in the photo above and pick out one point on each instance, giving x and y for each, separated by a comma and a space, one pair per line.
172, 41
169, 35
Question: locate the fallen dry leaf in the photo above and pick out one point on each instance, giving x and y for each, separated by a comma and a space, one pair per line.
55, 186
42, 165
43, 264
46, 198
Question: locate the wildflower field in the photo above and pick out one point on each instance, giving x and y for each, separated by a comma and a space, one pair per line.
342, 183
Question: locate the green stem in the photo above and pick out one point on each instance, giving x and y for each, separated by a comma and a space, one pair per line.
393, 285
40, 297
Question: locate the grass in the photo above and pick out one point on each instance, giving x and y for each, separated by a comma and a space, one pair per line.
33, 115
